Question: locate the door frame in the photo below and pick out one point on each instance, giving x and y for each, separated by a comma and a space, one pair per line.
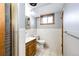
62, 31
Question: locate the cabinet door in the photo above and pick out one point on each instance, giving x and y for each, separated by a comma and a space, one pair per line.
2, 29
31, 48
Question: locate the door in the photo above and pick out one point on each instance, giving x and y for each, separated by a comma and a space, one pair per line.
71, 30
5, 30
2, 29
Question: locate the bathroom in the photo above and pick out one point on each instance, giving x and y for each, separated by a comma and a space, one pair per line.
57, 37
39, 29
48, 35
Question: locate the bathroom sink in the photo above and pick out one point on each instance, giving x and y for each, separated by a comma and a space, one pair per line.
41, 41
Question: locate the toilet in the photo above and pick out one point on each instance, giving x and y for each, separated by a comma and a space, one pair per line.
40, 43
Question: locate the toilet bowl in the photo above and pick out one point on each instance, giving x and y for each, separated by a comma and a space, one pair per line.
40, 42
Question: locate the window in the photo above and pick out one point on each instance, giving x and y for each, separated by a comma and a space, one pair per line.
47, 19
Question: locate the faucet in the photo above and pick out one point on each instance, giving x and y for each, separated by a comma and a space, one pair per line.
32, 35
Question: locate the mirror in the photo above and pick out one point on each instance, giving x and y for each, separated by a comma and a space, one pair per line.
27, 22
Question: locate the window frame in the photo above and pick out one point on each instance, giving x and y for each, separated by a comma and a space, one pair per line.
47, 19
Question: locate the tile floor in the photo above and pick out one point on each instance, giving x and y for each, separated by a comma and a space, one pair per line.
41, 51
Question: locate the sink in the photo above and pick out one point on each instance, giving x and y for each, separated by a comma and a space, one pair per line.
41, 41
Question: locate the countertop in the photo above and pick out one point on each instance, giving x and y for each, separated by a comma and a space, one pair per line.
29, 39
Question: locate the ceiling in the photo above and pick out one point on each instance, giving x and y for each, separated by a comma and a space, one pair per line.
45, 8
38, 5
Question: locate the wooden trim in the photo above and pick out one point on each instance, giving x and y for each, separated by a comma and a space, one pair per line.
47, 15
62, 31
11, 31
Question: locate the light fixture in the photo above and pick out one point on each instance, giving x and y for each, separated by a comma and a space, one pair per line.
33, 4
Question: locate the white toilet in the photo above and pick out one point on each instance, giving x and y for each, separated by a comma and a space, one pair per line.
40, 42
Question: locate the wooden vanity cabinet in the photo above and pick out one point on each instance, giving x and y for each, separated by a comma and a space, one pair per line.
31, 48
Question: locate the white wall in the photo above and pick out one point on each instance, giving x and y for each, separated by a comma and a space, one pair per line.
52, 34
33, 27
33, 22
31, 32
21, 29
71, 23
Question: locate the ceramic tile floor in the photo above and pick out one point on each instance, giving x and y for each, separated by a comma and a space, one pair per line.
44, 52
